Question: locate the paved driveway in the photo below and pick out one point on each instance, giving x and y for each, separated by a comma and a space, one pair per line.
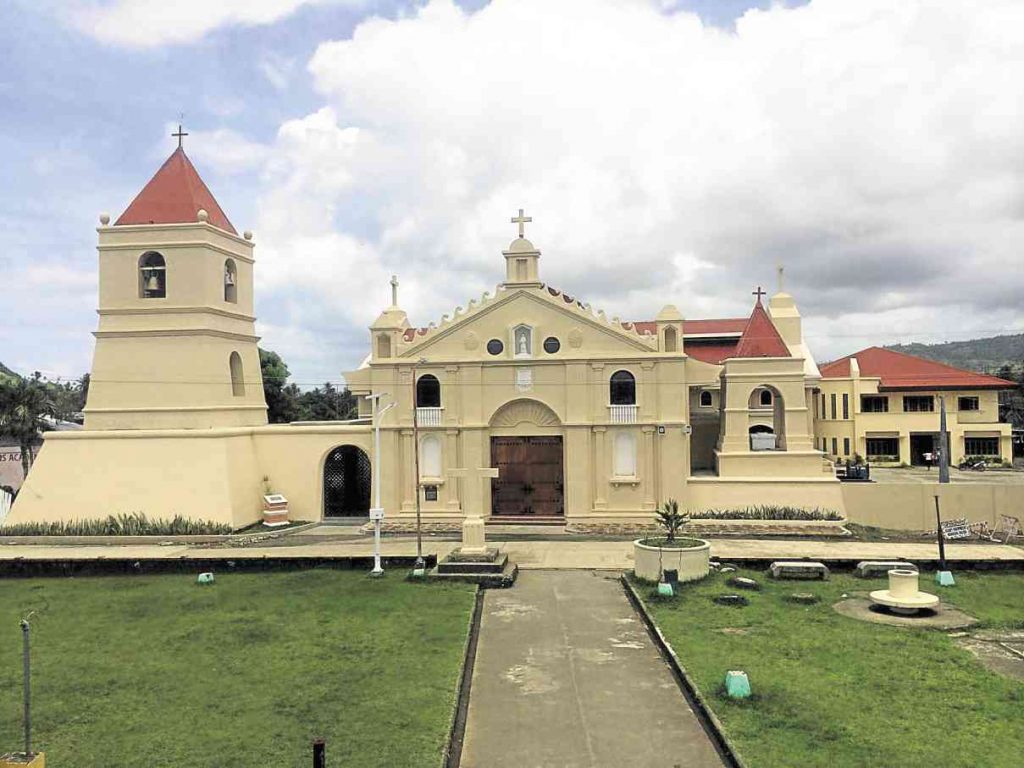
567, 676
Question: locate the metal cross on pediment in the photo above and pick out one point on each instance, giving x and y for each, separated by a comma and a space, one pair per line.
759, 293
521, 220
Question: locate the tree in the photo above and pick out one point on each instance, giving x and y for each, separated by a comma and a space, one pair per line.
282, 398
286, 402
24, 405
327, 403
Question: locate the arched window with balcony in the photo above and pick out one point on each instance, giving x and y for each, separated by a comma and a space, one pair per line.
230, 282
428, 401
428, 392
622, 388
152, 276
622, 398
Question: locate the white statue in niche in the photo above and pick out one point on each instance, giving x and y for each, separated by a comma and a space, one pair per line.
523, 342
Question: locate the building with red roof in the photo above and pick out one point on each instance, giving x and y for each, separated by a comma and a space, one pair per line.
885, 405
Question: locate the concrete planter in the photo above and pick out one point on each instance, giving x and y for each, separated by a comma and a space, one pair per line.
692, 564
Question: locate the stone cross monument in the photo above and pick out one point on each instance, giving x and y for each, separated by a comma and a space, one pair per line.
473, 542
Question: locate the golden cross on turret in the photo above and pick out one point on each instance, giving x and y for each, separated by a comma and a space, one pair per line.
521, 220
759, 293
394, 290
179, 135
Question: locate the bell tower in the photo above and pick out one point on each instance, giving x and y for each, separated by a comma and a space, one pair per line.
176, 343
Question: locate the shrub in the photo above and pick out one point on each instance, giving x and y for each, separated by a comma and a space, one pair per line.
671, 519
130, 524
767, 512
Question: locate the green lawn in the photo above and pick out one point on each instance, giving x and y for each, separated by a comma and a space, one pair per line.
157, 671
833, 691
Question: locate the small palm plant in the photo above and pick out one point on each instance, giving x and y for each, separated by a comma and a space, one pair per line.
671, 519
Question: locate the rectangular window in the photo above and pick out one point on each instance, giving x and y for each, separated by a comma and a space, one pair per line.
968, 404
918, 404
846, 406
833, 398
883, 448
823, 405
981, 446
874, 404
835, 444
846, 445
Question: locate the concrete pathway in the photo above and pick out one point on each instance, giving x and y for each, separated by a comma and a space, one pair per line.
567, 676
611, 555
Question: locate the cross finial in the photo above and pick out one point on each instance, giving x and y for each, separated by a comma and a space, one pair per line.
179, 135
394, 290
521, 220
759, 293
780, 269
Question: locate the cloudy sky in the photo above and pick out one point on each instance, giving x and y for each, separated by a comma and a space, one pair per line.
667, 151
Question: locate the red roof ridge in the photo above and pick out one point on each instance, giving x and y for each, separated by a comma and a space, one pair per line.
174, 196
760, 337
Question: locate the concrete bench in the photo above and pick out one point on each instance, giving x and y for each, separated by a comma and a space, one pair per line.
798, 569
870, 569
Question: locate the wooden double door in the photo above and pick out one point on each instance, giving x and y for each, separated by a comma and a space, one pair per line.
530, 476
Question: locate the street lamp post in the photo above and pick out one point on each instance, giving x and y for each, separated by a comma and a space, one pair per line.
377, 512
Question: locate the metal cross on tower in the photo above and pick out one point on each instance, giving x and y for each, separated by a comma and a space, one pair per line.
759, 293
179, 135
521, 220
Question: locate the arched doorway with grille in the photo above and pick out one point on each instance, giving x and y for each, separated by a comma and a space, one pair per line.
347, 477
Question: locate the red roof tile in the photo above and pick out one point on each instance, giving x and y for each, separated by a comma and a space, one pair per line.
760, 337
174, 196
710, 353
898, 370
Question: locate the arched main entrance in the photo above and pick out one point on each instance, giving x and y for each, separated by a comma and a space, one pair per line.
526, 447
347, 482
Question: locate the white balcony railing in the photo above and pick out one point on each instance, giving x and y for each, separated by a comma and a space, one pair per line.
429, 417
622, 414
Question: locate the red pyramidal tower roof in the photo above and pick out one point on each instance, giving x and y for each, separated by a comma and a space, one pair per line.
760, 337
174, 196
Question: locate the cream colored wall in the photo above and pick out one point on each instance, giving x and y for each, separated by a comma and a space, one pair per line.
163, 363
706, 493
959, 424
911, 506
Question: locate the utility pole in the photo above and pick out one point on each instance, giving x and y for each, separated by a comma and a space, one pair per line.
420, 563
944, 578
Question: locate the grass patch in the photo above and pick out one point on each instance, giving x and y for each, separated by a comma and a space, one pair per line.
833, 691
766, 512
129, 524
157, 671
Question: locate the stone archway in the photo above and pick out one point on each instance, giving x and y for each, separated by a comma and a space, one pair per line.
526, 447
346, 482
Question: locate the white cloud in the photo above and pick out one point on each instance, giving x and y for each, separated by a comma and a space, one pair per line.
874, 147
152, 23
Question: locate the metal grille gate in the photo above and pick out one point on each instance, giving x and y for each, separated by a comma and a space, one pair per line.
347, 482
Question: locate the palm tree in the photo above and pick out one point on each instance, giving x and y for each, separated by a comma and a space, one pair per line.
24, 405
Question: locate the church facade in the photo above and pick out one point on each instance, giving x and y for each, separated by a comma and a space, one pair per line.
586, 417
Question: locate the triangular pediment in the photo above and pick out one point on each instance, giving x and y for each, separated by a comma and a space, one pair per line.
543, 313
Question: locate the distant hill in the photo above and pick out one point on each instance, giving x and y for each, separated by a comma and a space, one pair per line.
983, 355
6, 372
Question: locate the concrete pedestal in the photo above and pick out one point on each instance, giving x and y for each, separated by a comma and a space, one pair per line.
903, 595
473, 541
